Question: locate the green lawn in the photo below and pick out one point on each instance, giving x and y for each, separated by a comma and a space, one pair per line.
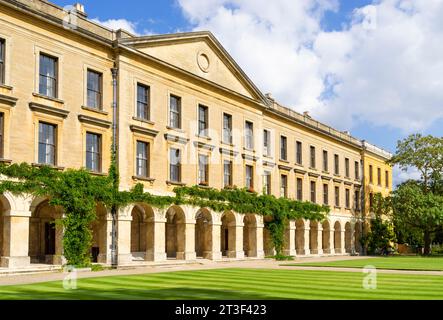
237, 284
395, 263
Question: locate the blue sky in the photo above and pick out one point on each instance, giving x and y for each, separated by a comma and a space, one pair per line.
371, 96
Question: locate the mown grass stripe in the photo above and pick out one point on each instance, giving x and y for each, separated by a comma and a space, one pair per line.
236, 284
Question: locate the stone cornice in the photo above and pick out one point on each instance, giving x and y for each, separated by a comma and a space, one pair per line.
202, 145
269, 164
326, 178
285, 168
314, 175
249, 157
48, 110
228, 152
338, 180
8, 100
144, 131
174, 138
299, 171
94, 121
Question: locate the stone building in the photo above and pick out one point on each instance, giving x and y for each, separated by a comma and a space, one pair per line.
186, 115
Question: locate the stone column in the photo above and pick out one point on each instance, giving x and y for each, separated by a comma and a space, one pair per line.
105, 240
189, 241
307, 238
215, 253
331, 241
16, 233
342, 241
238, 250
124, 236
259, 237
353, 248
289, 249
156, 250
58, 257
320, 239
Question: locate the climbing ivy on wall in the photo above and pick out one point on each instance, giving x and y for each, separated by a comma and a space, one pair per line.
78, 192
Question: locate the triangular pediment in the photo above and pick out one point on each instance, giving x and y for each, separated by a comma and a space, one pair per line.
201, 54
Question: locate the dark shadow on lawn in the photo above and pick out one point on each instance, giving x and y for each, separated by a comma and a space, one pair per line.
131, 294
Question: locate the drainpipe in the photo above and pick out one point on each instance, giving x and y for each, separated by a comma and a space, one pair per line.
363, 196
114, 213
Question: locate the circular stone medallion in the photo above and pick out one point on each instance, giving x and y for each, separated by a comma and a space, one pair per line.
203, 61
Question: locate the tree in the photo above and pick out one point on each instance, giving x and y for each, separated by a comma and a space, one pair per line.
381, 237
426, 155
417, 210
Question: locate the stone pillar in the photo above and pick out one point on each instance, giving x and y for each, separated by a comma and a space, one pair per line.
307, 238
124, 236
320, 239
16, 233
58, 257
289, 249
259, 237
156, 250
342, 241
215, 253
331, 241
353, 247
238, 243
105, 242
189, 241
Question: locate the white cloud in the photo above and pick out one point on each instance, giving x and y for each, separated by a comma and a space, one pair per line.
116, 24
385, 67
400, 176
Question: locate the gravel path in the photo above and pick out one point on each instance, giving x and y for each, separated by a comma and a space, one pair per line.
172, 265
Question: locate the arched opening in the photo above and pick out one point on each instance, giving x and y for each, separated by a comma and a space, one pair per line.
250, 235
43, 234
357, 235
99, 252
313, 237
138, 233
175, 233
326, 237
300, 237
348, 237
228, 235
203, 234
337, 237
268, 244
4, 206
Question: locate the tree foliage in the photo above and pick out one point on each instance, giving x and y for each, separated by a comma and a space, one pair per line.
425, 153
381, 236
78, 192
417, 210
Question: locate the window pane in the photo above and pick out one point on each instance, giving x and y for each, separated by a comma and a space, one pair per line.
227, 170
93, 152
175, 110
142, 102
202, 120
227, 128
94, 89
46, 145
249, 132
249, 177
2, 61
174, 159
299, 189
299, 152
142, 159
283, 146
47, 76
203, 169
